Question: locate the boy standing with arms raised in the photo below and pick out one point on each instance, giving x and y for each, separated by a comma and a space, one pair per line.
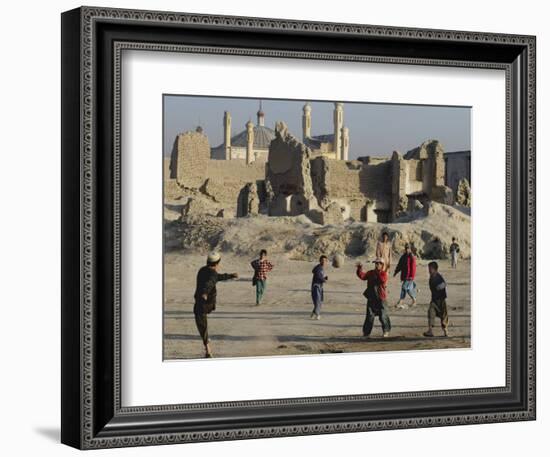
376, 297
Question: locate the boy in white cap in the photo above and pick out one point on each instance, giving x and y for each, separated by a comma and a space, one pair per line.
375, 294
205, 295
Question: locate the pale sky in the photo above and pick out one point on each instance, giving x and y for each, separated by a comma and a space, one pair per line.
375, 129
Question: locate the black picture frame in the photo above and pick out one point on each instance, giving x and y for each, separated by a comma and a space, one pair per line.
92, 415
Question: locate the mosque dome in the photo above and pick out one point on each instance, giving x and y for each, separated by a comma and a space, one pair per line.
262, 137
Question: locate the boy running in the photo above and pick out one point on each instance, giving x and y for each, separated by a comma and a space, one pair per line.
407, 267
261, 267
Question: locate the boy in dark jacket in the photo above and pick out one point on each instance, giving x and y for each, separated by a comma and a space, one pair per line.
205, 295
317, 281
438, 304
376, 297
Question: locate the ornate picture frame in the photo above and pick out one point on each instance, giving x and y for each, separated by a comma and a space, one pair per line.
93, 416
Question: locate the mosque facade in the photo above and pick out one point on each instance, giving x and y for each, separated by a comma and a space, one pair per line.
252, 143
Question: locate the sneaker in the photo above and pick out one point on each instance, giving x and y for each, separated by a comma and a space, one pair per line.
428, 334
317, 317
312, 316
208, 355
366, 337
445, 332
386, 334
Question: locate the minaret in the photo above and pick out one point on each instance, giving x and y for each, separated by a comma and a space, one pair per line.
227, 134
306, 122
345, 143
249, 142
338, 124
260, 115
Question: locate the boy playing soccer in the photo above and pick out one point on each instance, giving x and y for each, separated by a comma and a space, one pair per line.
438, 304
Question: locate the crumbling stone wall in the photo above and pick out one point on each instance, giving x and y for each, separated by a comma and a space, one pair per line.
172, 191
189, 159
248, 203
320, 180
366, 186
414, 175
400, 181
288, 175
375, 181
224, 180
294, 182
344, 184
220, 183
431, 155
359, 187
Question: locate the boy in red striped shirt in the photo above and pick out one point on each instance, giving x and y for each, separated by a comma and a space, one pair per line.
261, 267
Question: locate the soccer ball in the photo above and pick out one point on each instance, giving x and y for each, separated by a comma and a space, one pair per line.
338, 261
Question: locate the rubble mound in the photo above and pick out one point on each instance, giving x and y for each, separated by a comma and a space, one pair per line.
464, 193
429, 232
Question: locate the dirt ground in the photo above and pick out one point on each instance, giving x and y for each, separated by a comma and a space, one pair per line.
281, 324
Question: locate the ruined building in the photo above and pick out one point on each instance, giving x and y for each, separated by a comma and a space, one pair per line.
295, 179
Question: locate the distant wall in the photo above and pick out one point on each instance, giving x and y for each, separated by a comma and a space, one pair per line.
221, 182
189, 159
235, 170
226, 178
359, 184
344, 181
376, 181
218, 153
457, 166
414, 176
172, 190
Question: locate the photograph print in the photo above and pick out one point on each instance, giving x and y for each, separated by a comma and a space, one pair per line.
307, 227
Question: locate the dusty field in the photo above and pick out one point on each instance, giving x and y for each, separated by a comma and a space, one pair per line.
281, 325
